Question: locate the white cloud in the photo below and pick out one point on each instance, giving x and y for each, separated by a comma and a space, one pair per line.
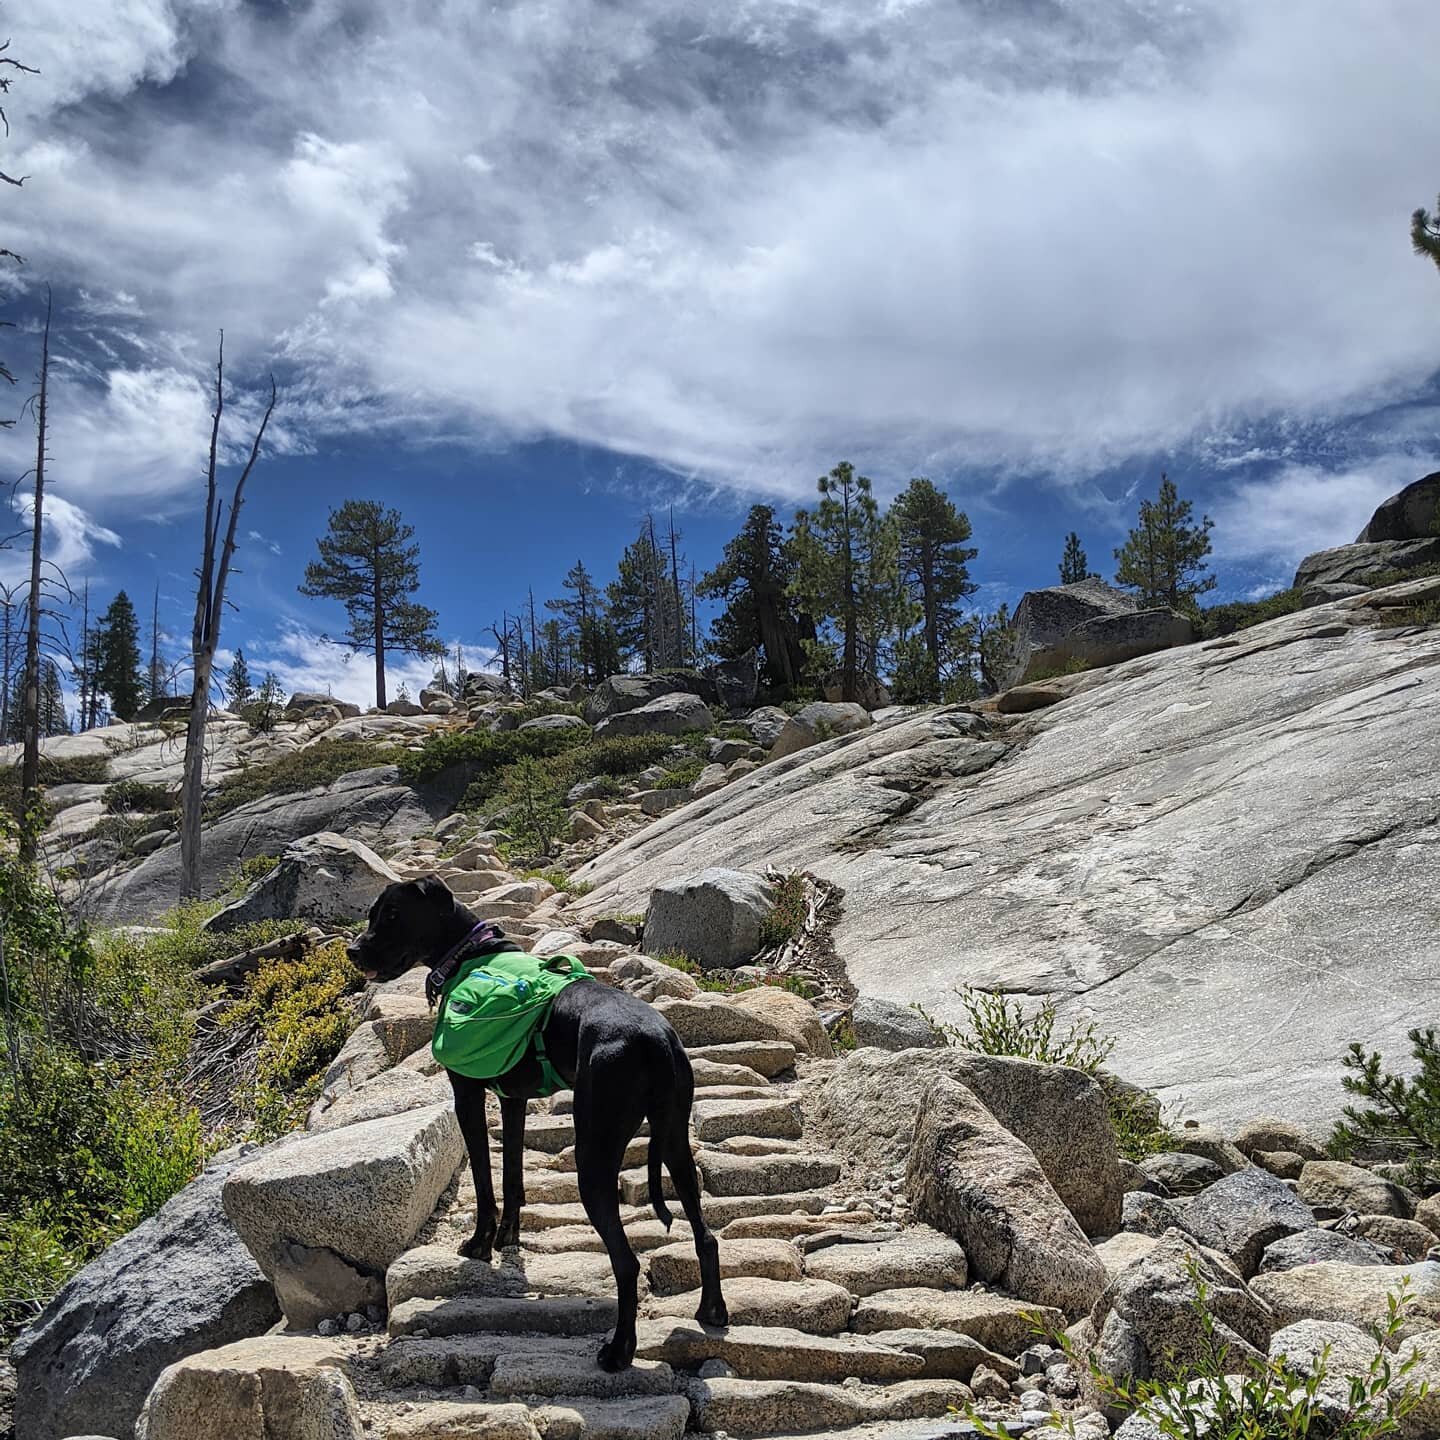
1303, 509
70, 538
304, 660
271, 545
1010, 235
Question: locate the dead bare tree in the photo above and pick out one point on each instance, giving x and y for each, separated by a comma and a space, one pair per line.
30, 692
213, 574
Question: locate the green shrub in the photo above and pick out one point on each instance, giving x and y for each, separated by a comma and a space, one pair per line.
842, 1035
560, 880
786, 920
1401, 1117
681, 776
1382, 578
1073, 666
1135, 1119
1242, 614
1001, 1027
301, 1011
482, 752
250, 871
319, 764
1427, 612
136, 795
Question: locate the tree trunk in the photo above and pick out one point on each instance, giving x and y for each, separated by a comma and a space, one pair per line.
193, 776
379, 640
30, 715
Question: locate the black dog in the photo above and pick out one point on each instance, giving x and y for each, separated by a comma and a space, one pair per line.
625, 1065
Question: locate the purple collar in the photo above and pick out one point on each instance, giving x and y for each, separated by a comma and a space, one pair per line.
485, 933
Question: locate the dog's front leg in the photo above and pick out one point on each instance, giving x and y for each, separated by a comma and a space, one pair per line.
470, 1112
512, 1182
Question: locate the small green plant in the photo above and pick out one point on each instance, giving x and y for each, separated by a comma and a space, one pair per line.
1398, 1115
842, 1034
1135, 1119
1220, 620
1383, 578
999, 1026
786, 921
1393, 617
560, 880
126, 795
681, 776
251, 871
1075, 665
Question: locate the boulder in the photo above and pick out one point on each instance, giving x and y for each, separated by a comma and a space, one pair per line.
792, 1018
361, 1193
1243, 1213
180, 1282
706, 1021
1409, 515
674, 714
1146, 1320
401, 706
480, 685
816, 723
714, 917
278, 1385
971, 1178
621, 693
736, 681
1361, 564
1181, 1174
1146, 1214
1272, 1133
765, 724
554, 722
1332, 1187
1401, 1241
657, 802
868, 1108
1356, 1294
324, 877
1319, 594
712, 778
306, 702
887, 1026
1315, 1246
870, 692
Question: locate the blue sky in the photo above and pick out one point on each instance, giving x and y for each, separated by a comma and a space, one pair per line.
526, 273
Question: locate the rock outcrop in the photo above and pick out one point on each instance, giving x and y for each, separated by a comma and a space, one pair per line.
179, 1282
1118, 859
1361, 564
1408, 515
714, 917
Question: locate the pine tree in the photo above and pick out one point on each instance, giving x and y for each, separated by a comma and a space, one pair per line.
118, 672
934, 564
1425, 233
847, 569
633, 603
582, 623
368, 563
1163, 561
53, 719
266, 707
1074, 565
238, 689
754, 577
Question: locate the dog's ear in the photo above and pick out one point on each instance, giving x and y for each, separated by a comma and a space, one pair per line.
434, 889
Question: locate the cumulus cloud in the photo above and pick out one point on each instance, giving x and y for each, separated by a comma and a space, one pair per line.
742, 242
71, 536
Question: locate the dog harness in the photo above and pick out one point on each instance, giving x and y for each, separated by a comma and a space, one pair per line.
493, 1007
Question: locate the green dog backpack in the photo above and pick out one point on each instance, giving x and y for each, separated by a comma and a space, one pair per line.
492, 1010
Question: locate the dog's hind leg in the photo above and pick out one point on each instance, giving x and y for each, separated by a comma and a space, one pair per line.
512, 1182
681, 1164
607, 1115
470, 1112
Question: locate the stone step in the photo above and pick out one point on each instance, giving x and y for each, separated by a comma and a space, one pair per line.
793, 1225
760, 1352
435, 1272
563, 1102
948, 1355
996, 1321
637, 1152
500, 1315
545, 1373
914, 1258
451, 1419
675, 1268
719, 1210
641, 1417
768, 1057
763, 1119
545, 1216
750, 1145
410, 1360
712, 1072
726, 1174
635, 1186
647, 1234
815, 1306
770, 1407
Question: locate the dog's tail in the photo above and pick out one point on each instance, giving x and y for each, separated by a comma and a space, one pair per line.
660, 1112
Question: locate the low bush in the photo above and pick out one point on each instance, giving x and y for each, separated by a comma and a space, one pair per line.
302, 1014
249, 872
1242, 614
319, 764
1426, 612
786, 920
1396, 1116
1382, 578
681, 776
125, 795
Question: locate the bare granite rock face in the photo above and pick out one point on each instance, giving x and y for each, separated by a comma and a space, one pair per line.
1406, 515
1110, 851
1359, 564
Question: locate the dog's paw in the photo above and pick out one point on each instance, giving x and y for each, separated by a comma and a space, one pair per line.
614, 1356
716, 1314
479, 1247
508, 1237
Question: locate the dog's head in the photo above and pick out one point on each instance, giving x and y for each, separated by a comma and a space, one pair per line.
411, 923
